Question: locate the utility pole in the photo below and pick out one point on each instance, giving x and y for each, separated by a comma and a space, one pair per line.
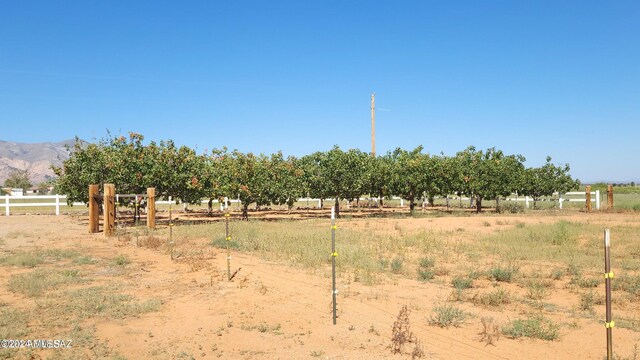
373, 124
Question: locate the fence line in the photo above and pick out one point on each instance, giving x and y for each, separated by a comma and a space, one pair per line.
60, 200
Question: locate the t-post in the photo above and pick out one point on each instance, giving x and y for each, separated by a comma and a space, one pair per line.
608, 275
334, 254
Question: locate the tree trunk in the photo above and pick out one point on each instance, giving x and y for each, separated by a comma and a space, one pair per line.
478, 204
431, 200
380, 203
498, 204
210, 207
321, 203
337, 207
245, 212
412, 206
447, 199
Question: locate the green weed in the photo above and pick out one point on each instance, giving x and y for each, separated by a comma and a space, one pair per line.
536, 326
447, 315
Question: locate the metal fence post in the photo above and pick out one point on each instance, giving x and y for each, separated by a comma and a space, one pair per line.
608, 275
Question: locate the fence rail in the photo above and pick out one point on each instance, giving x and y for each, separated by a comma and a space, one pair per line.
60, 200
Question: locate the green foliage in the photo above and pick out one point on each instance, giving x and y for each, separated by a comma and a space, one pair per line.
396, 265
461, 283
489, 174
426, 268
497, 297
18, 179
447, 315
504, 274
536, 326
545, 180
133, 165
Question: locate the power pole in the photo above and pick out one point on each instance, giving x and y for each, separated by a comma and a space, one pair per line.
373, 124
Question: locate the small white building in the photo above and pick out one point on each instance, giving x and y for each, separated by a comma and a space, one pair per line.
17, 192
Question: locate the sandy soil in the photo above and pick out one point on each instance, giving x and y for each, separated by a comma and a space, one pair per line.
272, 311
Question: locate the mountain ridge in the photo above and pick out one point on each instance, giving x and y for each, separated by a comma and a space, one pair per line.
36, 158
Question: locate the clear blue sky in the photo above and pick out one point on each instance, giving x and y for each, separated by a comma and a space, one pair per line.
559, 78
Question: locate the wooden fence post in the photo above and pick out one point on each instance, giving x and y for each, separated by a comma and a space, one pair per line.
610, 196
109, 209
94, 210
588, 197
151, 208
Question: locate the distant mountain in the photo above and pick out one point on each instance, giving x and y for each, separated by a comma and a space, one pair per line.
36, 158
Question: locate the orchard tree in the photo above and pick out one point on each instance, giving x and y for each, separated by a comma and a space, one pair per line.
285, 180
343, 173
314, 184
18, 179
490, 174
250, 175
409, 176
547, 179
379, 171
86, 165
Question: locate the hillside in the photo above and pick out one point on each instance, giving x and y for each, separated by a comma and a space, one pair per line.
37, 158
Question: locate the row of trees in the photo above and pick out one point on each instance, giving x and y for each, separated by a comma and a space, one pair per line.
275, 179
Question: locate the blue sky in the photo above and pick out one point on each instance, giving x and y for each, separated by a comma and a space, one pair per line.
558, 78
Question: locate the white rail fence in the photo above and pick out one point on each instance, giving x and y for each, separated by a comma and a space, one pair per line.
58, 201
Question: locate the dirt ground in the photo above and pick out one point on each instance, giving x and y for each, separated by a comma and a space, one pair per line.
274, 311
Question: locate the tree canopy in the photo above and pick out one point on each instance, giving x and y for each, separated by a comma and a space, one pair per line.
335, 174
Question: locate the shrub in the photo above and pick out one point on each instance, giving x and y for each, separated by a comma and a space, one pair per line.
447, 315
497, 297
502, 274
396, 265
536, 326
461, 283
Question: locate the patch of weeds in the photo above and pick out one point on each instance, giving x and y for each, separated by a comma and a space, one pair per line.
629, 284
35, 283
396, 265
584, 282
23, 259
486, 223
427, 262
560, 234
13, 324
537, 290
497, 297
317, 353
183, 355
426, 269
263, 327
535, 326
447, 315
557, 273
461, 283
222, 243
504, 274
383, 263
490, 331
474, 274
84, 260
150, 242
99, 301
401, 334
631, 324
574, 270
121, 260
635, 353
587, 300
520, 224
